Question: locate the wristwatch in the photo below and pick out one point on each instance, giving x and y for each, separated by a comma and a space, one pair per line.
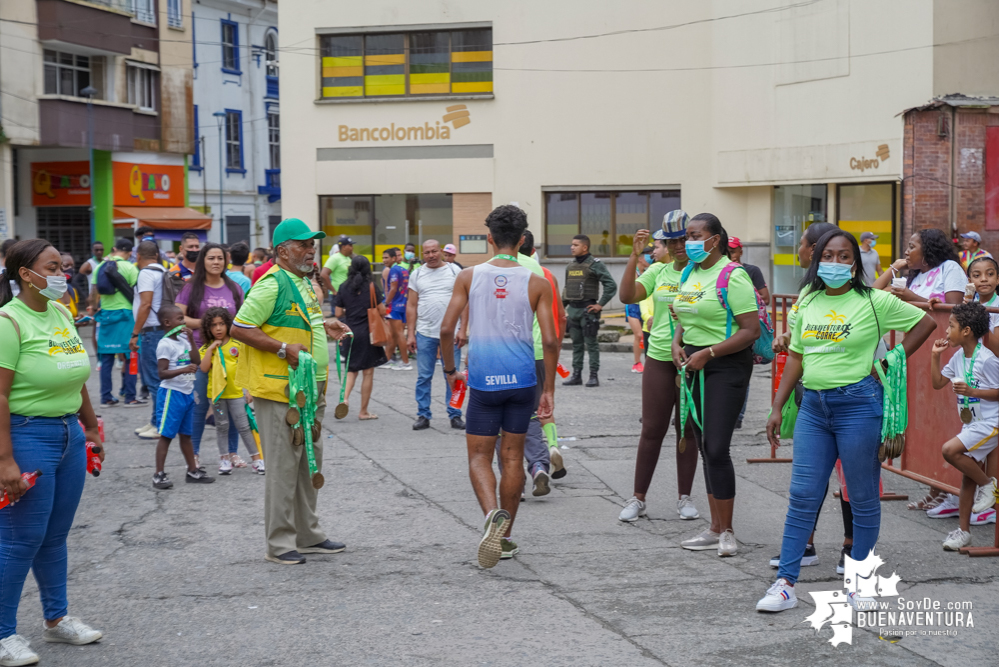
283, 352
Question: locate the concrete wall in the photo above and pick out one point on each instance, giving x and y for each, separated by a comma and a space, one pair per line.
965, 34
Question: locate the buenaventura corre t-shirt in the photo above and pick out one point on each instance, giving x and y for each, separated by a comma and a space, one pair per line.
837, 335
662, 284
702, 315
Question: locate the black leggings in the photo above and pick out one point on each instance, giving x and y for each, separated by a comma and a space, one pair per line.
726, 381
660, 402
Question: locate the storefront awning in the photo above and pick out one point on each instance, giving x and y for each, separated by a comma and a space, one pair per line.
162, 217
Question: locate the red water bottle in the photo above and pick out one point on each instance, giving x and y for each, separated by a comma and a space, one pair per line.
29, 477
562, 370
133, 364
93, 460
458, 393
779, 362
100, 427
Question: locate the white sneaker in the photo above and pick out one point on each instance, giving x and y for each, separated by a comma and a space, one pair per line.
957, 539
982, 518
633, 509
780, 596
387, 366
71, 631
946, 509
705, 541
727, 546
860, 603
148, 432
258, 466
404, 367
15, 650
225, 467
985, 497
685, 508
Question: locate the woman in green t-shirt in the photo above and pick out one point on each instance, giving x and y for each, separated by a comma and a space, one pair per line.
43, 399
713, 348
833, 344
660, 395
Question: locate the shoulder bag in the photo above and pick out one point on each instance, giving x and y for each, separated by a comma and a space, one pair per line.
376, 323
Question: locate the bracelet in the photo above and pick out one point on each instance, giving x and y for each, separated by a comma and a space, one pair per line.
450, 372
712, 351
134, 336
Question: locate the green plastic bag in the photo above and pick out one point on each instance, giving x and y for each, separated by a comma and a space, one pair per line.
788, 415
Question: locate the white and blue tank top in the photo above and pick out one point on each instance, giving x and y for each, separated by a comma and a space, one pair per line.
501, 329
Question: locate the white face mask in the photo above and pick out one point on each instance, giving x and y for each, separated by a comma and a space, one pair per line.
55, 286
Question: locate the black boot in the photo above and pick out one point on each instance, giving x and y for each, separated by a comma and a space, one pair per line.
593, 381
576, 379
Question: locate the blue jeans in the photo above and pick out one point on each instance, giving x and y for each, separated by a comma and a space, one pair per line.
842, 423
148, 367
33, 531
426, 362
107, 388
201, 407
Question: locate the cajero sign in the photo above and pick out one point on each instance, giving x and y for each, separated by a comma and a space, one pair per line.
863, 163
457, 115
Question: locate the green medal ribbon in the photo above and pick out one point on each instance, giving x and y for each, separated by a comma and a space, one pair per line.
346, 366
895, 406
687, 405
509, 257
969, 374
174, 330
303, 380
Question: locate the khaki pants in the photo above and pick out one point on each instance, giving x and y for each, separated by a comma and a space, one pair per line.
290, 520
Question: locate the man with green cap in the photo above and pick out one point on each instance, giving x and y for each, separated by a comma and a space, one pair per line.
280, 318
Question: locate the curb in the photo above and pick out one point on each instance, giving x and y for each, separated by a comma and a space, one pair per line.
604, 347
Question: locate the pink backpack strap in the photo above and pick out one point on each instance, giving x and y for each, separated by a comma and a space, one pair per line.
723, 279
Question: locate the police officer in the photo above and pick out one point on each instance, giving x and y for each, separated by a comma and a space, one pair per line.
583, 303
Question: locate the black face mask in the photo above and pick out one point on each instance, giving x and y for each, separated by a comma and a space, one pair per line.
192, 255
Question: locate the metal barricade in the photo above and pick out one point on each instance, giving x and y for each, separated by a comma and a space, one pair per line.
783, 302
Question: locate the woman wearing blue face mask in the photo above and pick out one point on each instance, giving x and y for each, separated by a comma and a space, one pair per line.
43, 399
715, 365
833, 343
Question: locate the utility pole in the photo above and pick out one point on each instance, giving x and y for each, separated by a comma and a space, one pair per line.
220, 118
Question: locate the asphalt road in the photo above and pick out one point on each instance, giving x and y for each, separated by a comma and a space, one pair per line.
178, 577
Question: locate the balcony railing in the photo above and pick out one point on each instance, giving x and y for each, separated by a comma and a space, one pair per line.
121, 5
272, 178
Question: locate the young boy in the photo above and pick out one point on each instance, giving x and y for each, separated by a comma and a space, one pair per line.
974, 372
177, 358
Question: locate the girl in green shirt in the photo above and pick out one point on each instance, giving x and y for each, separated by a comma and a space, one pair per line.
660, 397
43, 399
838, 327
701, 344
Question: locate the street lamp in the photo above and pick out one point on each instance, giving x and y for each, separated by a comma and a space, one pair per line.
89, 93
220, 119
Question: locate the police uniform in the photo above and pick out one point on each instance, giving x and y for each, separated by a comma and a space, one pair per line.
582, 288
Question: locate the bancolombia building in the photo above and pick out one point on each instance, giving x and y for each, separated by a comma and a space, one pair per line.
414, 129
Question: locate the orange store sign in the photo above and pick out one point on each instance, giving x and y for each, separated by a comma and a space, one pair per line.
60, 183
147, 184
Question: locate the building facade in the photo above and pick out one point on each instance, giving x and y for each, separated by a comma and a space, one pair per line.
237, 118
96, 108
412, 121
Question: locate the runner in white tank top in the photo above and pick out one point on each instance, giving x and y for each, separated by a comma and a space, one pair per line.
502, 298
501, 334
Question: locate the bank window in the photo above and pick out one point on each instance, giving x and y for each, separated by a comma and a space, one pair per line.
66, 73
609, 218
440, 62
142, 87
234, 141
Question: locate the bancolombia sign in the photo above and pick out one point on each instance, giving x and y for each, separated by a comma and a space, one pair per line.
457, 115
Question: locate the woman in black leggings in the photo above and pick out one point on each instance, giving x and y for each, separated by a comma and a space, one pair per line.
712, 347
659, 387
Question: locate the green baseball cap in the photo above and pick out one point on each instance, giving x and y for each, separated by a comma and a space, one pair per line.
294, 229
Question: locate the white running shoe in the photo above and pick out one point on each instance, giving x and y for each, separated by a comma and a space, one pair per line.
15, 650
982, 518
957, 539
73, 631
633, 509
780, 596
686, 509
387, 366
705, 541
258, 466
404, 367
985, 497
946, 509
148, 432
727, 546
225, 467
860, 603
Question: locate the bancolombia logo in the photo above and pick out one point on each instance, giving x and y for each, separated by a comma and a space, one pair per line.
458, 115
893, 621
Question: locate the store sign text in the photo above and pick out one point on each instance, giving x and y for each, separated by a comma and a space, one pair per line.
862, 163
458, 115
148, 184
60, 183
